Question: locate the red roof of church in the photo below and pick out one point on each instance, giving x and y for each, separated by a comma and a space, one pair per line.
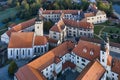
21, 26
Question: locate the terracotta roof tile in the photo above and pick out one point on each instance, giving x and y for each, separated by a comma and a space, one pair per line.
21, 40
78, 24
58, 27
68, 64
74, 12
93, 71
116, 66
50, 40
90, 14
109, 60
48, 58
28, 73
99, 41
21, 26
87, 50
40, 40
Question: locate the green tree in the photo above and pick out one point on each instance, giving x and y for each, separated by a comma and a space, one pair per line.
47, 26
12, 68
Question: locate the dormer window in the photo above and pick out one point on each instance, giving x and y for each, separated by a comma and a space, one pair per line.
84, 50
91, 52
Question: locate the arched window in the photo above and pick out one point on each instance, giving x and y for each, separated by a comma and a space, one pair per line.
35, 50
28, 52
17, 52
11, 52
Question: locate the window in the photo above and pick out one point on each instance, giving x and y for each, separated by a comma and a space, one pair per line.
77, 57
113, 79
83, 64
35, 49
38, 49
83, 60
103, 53
17, 52
28, 52
41, 49
54, 36
51, 66
46, 73
11, 52
77, 61
112, 74
102, 60
45, 48
23, 51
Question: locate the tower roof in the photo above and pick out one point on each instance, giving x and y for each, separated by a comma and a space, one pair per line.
38, 18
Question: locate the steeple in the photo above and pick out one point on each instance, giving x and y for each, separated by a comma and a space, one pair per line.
39, 26
105, 42
38, 18
104, 52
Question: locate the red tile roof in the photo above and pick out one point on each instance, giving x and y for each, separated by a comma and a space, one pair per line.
90, 14
99, 41
50, 40
116, 66
21, 40
87, 50
74, 12
58, 27
93, 71
21, 26
78, 24
40, 40
109, 60
68, 64
28, 73
49, 57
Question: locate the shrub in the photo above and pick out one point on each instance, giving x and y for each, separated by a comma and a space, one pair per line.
12, 68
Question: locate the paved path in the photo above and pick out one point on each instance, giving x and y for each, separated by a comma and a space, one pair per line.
4, 70
4, 73
101, 31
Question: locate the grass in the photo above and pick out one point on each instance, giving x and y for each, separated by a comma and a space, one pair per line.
112, 30
97, 29
10, 12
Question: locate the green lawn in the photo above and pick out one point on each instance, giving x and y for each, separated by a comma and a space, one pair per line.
10, 12
112, 30
97, 29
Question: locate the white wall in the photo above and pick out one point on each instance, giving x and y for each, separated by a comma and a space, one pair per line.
40, 49
20, 53
5, 38
97, 19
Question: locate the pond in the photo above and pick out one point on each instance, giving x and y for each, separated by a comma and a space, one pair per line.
116, 7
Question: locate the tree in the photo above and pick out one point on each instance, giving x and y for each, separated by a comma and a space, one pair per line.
105, 7
47, 26
84, 5
12, 68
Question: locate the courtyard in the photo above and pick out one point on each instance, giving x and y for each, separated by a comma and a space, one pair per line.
68, 75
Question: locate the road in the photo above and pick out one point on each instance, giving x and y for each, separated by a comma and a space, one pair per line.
4, 70
114, 54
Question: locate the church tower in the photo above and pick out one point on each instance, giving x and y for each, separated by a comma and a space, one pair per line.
39, 26
104, 52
